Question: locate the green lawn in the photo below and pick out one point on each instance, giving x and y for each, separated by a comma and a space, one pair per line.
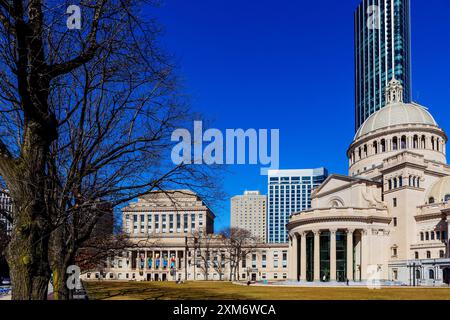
225, 290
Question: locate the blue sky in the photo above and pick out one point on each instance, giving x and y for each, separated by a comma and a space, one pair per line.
288, 65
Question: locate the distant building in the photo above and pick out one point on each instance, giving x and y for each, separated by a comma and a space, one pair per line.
172, 237
168, 213
289, 191
248, 211
6, 205
382, 52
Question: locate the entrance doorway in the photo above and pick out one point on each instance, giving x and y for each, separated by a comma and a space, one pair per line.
164, 277
156, 277
253, 276
149, 277
446, 274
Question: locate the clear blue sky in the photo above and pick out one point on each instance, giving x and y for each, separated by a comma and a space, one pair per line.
288, 64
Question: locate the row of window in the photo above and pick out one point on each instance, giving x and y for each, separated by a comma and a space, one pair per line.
433, 235
398, 182
429, 255
396, 144
162, 223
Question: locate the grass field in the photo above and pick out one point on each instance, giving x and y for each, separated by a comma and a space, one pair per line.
229, 291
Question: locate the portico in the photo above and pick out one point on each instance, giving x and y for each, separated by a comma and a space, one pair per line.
326, 255
337, 244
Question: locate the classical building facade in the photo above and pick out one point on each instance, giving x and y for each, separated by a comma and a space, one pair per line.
389, 219
248, 211
171, 235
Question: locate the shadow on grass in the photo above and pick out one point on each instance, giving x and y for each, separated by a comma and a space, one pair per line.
156, 291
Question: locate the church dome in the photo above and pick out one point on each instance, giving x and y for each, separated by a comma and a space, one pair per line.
396, 114
440, 191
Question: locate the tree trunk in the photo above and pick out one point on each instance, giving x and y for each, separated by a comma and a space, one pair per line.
27, 254
60, 260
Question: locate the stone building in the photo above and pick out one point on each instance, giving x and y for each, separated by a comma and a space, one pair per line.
248, 211
389, 219
173, 239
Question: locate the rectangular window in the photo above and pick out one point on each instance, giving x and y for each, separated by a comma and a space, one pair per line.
171, 223
395, 202
395, 222
284, 259
193, 221
157, 223
178, 223
149, 222
253, 260
186, 222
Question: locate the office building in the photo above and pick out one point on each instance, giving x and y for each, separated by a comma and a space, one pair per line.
289, 191
248, 211
382, 52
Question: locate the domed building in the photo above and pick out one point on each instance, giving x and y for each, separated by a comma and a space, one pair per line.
389, 218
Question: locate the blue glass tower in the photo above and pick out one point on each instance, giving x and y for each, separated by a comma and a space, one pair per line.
289, 191
382, 51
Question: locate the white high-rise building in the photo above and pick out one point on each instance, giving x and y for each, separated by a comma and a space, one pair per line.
248, 211
6, 205
289, 191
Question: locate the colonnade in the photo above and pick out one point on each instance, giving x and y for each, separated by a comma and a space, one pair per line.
328, 255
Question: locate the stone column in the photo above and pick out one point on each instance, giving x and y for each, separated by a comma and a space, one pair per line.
333, 254
350, 254
292, 258
303, 257
316, 255
364, 253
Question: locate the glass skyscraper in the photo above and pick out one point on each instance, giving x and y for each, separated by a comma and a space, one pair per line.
289, 191
382, 50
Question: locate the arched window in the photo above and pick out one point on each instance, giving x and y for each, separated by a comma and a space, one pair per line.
424, 145
437, 144
400, 182
395, 143
431, 274
414, 181
447, 197
359, 153
431, 200
427, 236
441, 254
395, 183
416, 142
418, 182
383, 145
422, 236
390, 184
375, 147
365, 150
432, 143
410, 181
403, 143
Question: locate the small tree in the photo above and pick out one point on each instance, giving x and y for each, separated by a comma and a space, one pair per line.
239, 243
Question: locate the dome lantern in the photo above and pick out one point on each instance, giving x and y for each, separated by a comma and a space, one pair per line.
394, 92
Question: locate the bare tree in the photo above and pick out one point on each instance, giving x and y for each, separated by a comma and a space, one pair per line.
220, 262
239, 243
85, 121
203, 245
